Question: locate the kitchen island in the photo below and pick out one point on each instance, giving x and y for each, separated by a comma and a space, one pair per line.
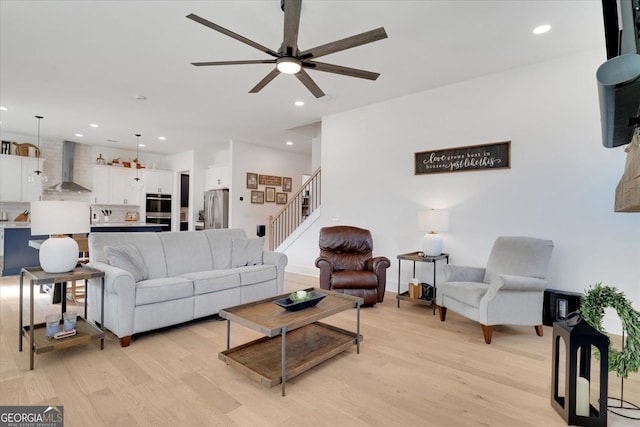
15, 252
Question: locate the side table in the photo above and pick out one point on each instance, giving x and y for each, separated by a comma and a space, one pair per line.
36, 334
413, 256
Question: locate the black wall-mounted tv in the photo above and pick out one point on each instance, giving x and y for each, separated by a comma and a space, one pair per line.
621, 26
619, 77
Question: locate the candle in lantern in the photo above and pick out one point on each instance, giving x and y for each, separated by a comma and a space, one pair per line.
582, 397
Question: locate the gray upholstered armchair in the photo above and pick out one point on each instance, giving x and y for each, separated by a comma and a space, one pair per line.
508, 291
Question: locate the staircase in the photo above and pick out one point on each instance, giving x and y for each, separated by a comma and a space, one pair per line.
295, 212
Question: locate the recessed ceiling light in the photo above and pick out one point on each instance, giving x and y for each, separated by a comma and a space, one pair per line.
93, 125
289, 142
3, 108
140, 145
162, 138
541, 29
79, 135
299, 103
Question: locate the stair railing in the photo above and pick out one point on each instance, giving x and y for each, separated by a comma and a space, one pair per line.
297, 209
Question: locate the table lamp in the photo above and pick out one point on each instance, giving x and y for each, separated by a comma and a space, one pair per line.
432, 221
59, 253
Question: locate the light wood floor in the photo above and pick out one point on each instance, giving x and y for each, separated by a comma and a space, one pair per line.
413, 370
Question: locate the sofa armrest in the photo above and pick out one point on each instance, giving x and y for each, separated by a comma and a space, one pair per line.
280, 261
119, 299
326, 269
506, 282
116, 280
459, 273
379, 266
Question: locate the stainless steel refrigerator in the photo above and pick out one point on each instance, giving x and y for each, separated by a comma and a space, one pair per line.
216, 208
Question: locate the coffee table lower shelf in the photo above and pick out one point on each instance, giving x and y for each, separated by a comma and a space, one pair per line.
307, 347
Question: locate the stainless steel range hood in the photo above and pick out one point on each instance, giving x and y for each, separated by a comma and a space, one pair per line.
67, 185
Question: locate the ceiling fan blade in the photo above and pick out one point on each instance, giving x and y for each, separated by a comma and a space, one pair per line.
291, 27
231, 34
348, 43
338, 69
272, 75
250, 61
309, 84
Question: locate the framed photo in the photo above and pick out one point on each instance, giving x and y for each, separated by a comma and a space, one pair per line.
257, 197
281, 198
270, 194
286, 184
252, 181
270, 180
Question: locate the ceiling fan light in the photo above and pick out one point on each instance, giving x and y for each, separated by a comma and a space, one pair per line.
289, 65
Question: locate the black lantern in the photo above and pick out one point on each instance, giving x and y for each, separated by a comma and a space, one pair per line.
575, 406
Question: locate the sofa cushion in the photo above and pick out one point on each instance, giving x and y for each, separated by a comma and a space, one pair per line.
253, 274
127, 257
213, 280
147, 243
469, 293
246, 252
220, 244
164, 289
186, 252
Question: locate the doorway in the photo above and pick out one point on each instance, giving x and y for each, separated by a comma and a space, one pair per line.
184, 201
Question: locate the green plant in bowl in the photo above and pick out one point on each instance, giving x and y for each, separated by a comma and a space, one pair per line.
300, 296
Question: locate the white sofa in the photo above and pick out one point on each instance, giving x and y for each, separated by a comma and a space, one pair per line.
189, 275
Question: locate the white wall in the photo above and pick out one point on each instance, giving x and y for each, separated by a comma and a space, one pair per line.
246, 157
561, 184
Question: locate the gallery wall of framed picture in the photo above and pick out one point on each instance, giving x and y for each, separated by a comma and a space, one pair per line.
269, 188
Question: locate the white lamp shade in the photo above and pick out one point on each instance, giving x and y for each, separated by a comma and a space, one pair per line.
433, 220
59, 254
60, 217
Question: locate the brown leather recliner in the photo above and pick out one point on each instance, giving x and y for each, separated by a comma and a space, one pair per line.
347, 264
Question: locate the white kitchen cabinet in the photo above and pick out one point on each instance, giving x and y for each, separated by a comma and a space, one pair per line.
120, 191
14, 186
100, 189
10, 174
157, 182
111, 186
217, 177
30, 192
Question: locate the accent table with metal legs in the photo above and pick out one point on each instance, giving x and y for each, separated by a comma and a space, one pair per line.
36, 334
415, 257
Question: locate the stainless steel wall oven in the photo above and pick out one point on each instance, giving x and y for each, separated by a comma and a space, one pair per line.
159, 210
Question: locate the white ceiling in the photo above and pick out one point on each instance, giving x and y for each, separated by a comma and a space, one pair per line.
82, 62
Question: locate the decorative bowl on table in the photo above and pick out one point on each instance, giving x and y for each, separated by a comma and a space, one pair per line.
294, 302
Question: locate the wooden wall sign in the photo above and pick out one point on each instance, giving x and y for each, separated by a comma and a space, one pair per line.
472, 157
270, 180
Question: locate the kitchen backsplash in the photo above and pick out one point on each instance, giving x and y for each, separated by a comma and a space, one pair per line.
118, 213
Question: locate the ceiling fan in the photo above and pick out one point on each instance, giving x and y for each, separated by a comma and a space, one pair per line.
289, 59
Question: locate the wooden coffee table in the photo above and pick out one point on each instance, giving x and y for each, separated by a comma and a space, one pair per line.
294, 341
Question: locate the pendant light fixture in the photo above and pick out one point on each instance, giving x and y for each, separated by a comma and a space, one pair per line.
37, 176
136, 183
